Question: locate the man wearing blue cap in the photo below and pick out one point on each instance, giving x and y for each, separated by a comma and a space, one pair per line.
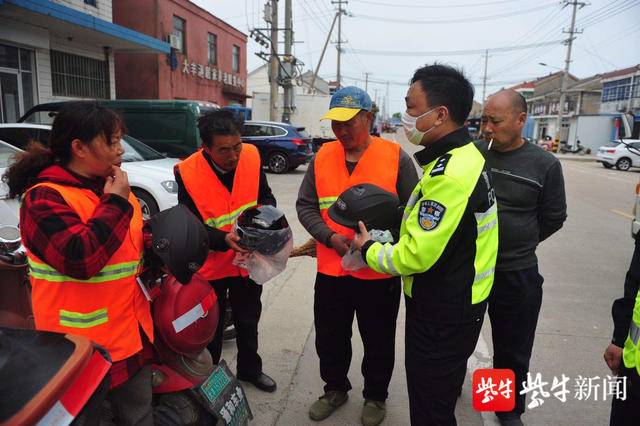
354, 158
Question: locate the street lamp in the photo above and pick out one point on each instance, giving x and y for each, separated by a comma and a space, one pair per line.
550, 66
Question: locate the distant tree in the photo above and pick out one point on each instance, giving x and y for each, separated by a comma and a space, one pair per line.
374, 108
397, 115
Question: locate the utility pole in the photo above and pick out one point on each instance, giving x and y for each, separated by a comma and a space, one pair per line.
484, 76
326, 43
386, 102
288, 63
366, 81
565, 73
273, 63
340, 12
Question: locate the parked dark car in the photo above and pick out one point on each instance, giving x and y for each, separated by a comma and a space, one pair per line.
282, 147
168, 126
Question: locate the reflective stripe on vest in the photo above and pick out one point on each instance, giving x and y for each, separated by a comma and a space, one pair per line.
83, 320
631, 351
634, 333
219, 208
109, 307
108, 273
378, 165
228, 219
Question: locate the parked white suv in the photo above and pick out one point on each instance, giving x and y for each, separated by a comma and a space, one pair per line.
150, 173
622, 153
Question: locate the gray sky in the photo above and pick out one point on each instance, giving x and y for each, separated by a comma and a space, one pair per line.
418, 28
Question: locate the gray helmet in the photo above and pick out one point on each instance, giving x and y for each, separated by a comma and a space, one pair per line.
375, 207
263, 229
180, 240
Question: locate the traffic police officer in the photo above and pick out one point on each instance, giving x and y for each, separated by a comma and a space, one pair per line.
623, 354
448, 244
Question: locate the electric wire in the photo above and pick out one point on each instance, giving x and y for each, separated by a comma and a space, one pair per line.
468, 19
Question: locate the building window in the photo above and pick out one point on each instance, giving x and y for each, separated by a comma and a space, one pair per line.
17, 82
91, 2
213, 48
78, 76
178, 31
236, 59
618, 90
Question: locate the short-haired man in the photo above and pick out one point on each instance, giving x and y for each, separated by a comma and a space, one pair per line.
531, 207
218, 183
447, 247
355, 158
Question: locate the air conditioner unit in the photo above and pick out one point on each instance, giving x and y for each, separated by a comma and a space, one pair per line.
174, 41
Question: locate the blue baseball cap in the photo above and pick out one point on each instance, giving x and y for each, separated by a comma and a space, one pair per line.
346, 103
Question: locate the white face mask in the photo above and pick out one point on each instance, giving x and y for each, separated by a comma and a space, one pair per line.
409, 124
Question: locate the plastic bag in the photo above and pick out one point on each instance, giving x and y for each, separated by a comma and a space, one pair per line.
352, 260
261, 267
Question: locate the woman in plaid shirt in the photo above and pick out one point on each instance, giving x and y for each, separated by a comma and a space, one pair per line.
85, 153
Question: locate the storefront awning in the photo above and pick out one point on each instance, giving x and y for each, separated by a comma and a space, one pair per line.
73, 24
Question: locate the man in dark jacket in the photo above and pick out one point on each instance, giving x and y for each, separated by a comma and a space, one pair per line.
217, 184
531, 207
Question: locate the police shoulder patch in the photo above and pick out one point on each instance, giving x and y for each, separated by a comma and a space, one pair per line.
430, 214
441, 164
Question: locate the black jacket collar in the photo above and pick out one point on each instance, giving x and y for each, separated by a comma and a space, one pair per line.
455, 139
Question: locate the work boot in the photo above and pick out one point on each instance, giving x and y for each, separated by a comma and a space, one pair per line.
327, 404
510, 421
373, 412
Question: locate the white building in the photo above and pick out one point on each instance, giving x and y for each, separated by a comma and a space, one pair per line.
621, 91
56, 50
258, 82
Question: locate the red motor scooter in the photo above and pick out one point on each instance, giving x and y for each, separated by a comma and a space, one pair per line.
45, 378
188, 388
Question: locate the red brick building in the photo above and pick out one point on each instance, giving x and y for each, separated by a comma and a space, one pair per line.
208, 61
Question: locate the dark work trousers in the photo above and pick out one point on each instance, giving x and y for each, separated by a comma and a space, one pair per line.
436, 355
627, 412
244, 297
131, 402
375, 303
514, 305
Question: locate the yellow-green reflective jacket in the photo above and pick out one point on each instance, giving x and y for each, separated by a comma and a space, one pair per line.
631, 352
448, 240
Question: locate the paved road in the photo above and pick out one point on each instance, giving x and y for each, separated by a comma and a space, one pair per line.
583, 265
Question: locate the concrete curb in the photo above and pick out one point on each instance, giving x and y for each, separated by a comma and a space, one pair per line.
576, 157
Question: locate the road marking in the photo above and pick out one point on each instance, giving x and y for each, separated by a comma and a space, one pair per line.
621, 213
481, 358
590, 172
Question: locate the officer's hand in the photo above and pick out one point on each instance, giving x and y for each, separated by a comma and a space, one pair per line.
340, 243
360, 238
613, 357
117, 183
232, 241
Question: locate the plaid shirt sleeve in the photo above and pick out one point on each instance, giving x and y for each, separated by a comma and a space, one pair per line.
54, 232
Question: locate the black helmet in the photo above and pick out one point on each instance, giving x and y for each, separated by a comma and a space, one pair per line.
180, 240
263, 229
375, 207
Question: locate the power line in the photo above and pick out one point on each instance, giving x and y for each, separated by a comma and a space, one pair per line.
453, 52
594, 14
610, 14
435, 6
468, 19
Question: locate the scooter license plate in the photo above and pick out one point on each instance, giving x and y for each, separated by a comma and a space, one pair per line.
225, 398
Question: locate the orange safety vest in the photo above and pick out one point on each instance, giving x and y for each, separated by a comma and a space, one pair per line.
108, 308
219, 208
378, 165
